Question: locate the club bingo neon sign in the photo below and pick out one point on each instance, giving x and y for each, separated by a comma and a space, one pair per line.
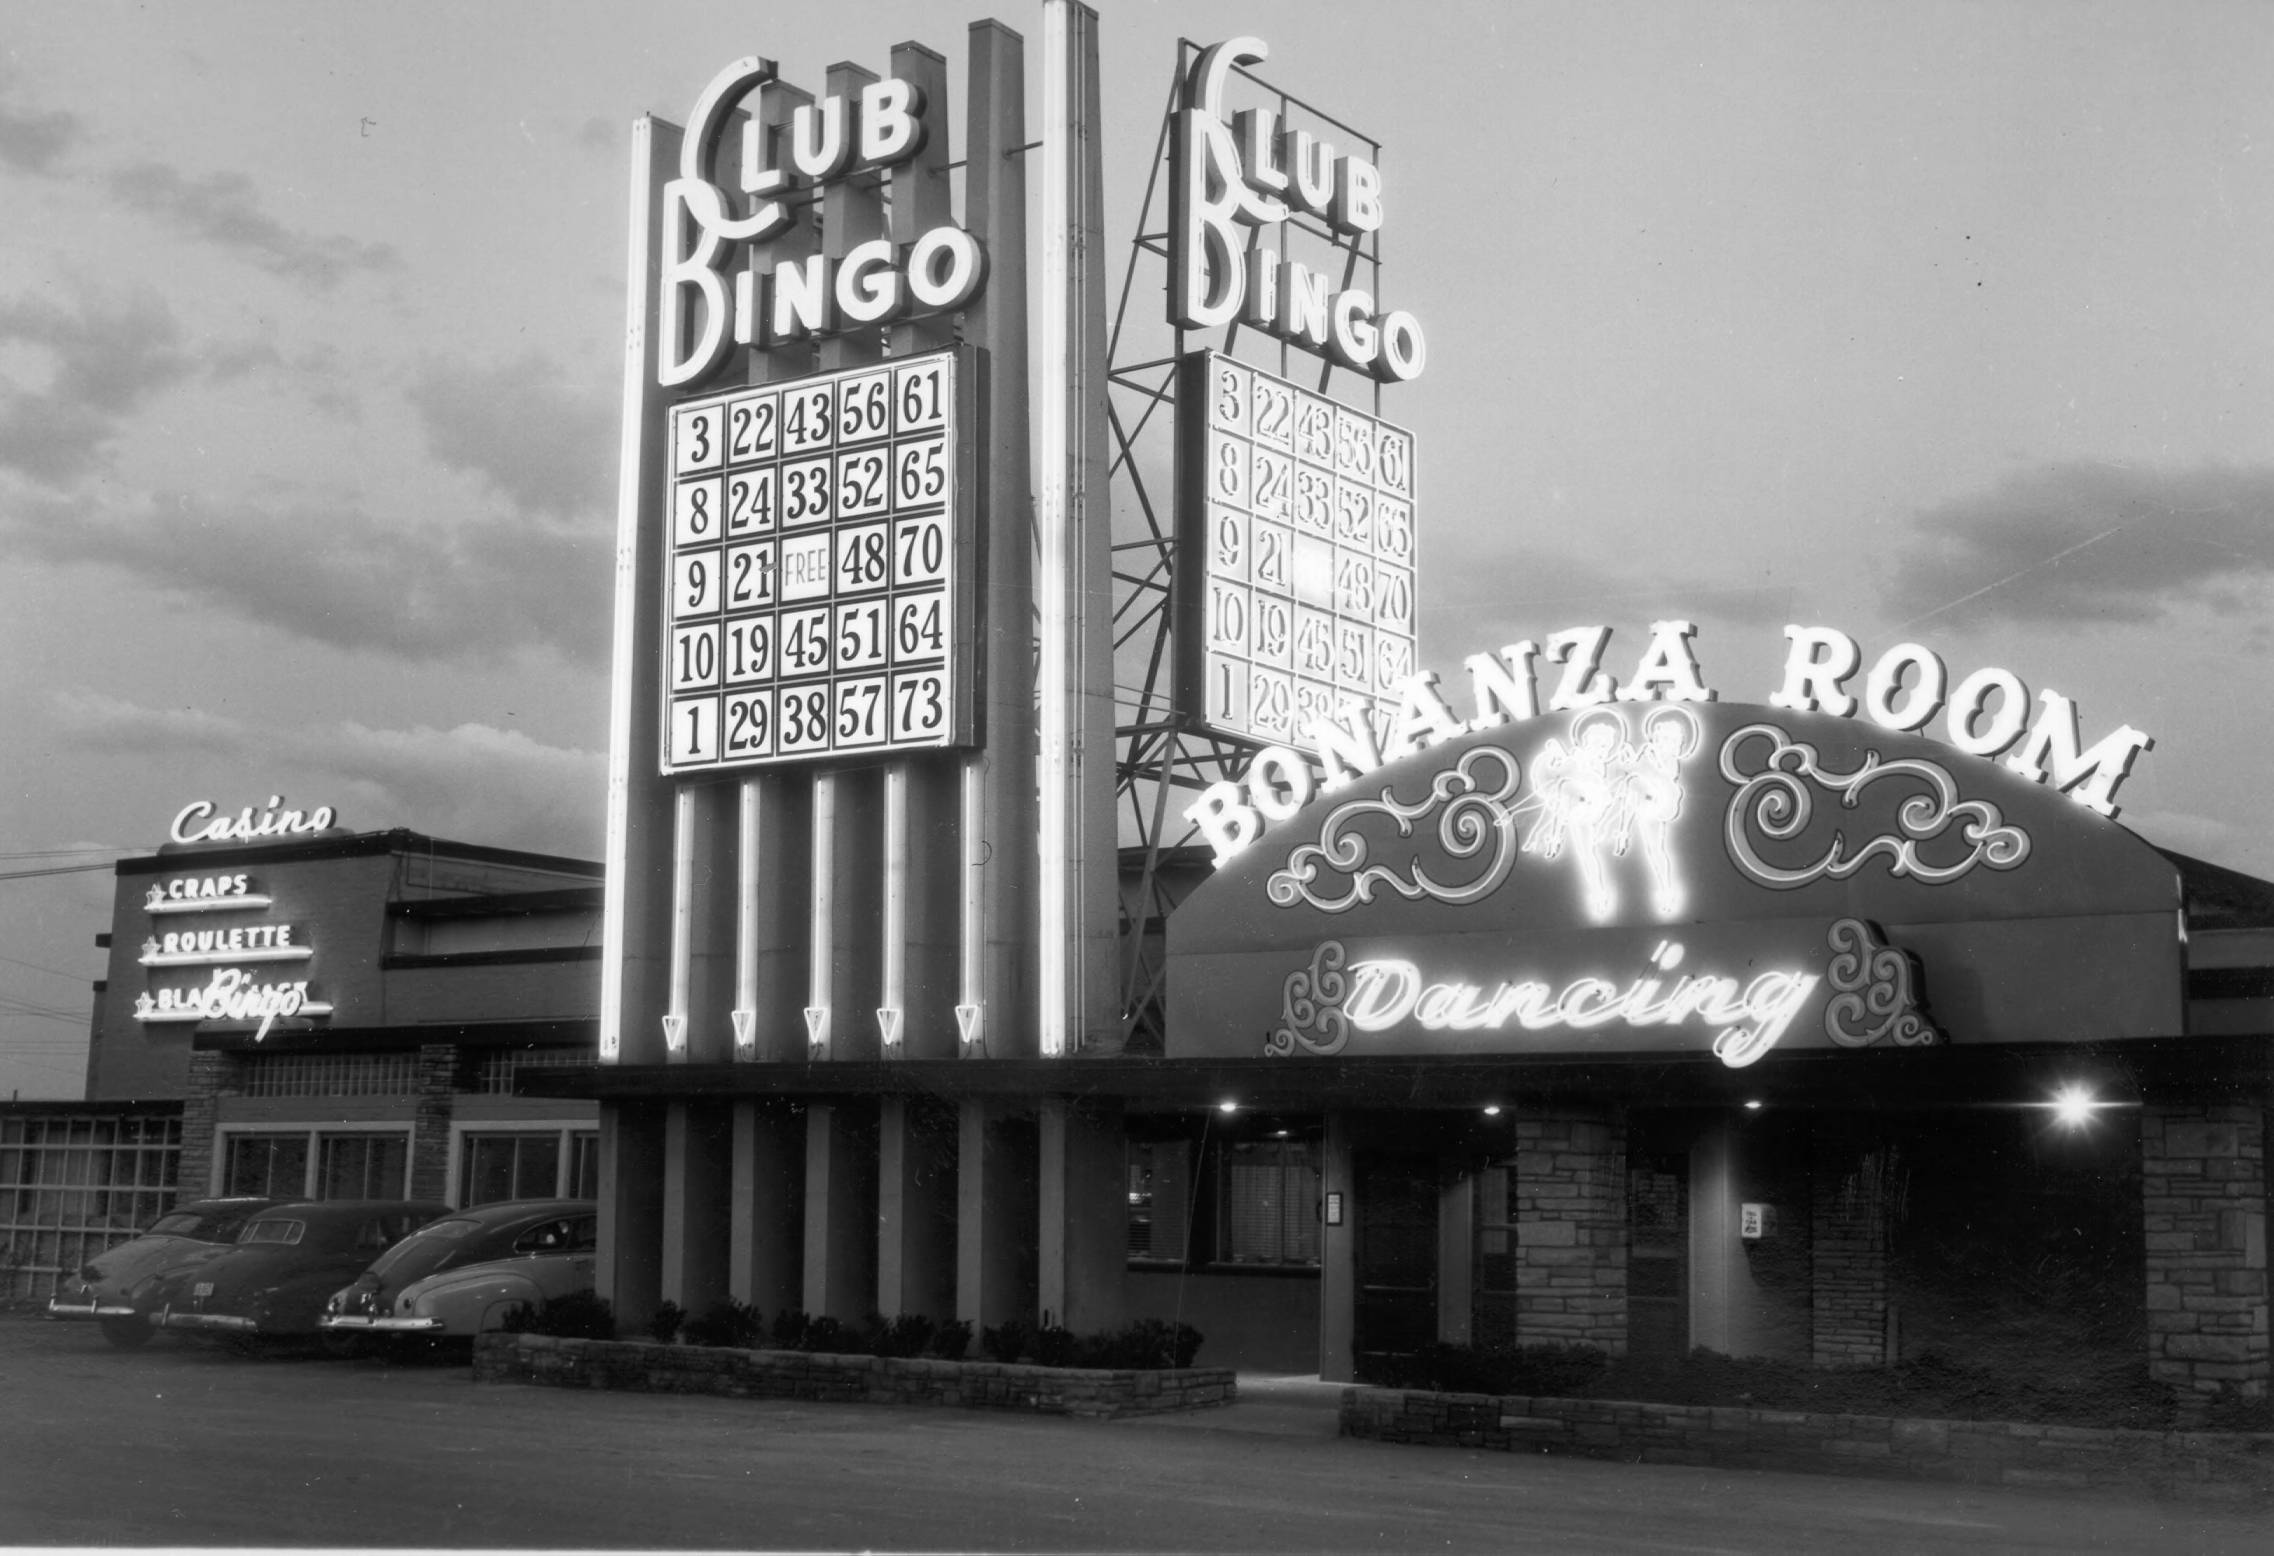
1986, 714
706, 227
1225, 179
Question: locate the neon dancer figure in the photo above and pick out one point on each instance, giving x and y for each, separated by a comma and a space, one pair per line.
1601, 793
1654, 797
1579, 794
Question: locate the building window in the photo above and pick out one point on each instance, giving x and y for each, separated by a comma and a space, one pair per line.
326, 1075
272, 1166
72, 1186
1270, 1202
1160, 1199
527, 1164
358, 1164
365, 1166
494, 1071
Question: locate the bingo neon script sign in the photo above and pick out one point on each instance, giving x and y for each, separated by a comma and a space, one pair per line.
1250, 176
703, 311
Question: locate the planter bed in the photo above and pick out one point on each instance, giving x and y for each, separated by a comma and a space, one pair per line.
2211, 1466
844, 1379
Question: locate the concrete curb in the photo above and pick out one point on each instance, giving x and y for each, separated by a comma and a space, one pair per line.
2193, 1466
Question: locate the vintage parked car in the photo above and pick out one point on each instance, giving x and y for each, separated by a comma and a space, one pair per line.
116, 1286
548, 1257
273, 1281
541, 1238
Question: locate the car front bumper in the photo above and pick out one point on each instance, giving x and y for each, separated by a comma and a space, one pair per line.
216, 1323
57, 1307
357, 1323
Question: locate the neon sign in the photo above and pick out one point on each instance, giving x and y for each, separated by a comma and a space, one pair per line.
705, 226
1606, 790
231, 995
245, 943
207, 894
1226, 179
192, 825
1868, 992
1986, 715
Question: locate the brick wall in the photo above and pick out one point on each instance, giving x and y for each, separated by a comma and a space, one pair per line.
874, 1380
430, 1127
2203, 1196
1848, 1198
209, 1073
1571, 1228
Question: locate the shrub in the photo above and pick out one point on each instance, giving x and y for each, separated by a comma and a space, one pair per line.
732, 1324
1145, 1343
951, 1340
830, 1335
665, 1322
789, 1329
908, 1334
1007, 1341
575, 1315
1054, 1345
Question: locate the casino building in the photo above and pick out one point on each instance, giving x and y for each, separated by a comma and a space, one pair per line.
312, 1012
1346, 1010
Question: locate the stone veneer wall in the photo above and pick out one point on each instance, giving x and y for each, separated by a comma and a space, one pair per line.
209, 1072
2203, 1196
2207, 1466
1848, 1250
1571, 1228
430, 1128
832, 1379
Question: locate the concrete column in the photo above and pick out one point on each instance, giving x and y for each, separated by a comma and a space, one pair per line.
2203, 1193
698, 1156
1084, 1214
1338, 1253
840, 1209
917, 1143
630, 1268
766, 1213
1847, 1247
996, 1215
1571, 1227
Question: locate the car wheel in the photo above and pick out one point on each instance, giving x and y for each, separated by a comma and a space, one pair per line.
127, 1334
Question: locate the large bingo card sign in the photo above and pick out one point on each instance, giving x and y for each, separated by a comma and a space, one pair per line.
820, 568
1295, 552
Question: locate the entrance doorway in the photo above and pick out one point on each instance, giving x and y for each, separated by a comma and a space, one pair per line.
1396, 1249
1658, 1253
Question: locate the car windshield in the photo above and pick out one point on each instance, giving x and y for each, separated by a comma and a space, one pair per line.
275, 1229
424, 1250
207, 1226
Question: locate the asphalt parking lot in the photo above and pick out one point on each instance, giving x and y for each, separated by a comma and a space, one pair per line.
185, 1444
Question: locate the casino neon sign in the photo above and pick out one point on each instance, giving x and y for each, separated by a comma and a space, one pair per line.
1987, 713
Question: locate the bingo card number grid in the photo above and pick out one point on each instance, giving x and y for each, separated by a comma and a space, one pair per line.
819, 569
1295, 556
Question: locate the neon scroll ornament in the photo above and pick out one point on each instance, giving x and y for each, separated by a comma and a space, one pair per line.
1874, 995
1604, 792
1478, 822
1774, 803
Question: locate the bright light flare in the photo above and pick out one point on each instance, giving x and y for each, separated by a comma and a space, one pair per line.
2073, 1107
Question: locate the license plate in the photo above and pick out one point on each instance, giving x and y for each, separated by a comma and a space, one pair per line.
203, 1288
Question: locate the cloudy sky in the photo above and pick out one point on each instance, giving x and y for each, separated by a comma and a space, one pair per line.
1947, 323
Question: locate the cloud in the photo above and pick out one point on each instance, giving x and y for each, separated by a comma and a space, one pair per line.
477, 783
108, 725
2078, 543
474, 783
333, 574
544, 445
31, 142
1473, 607
224, 209
108, 356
